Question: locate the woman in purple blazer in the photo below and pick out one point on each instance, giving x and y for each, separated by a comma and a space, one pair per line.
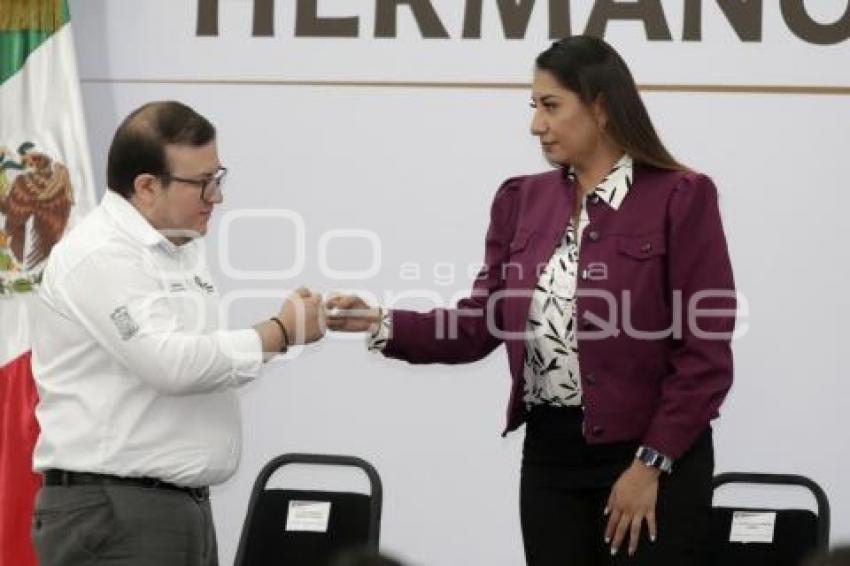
609, 282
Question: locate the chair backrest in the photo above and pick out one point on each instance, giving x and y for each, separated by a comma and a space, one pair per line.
796, 532
270, 534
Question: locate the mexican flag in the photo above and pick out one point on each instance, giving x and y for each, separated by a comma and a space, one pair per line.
45, 186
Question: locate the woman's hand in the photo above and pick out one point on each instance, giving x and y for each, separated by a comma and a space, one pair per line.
350, 313
632, 501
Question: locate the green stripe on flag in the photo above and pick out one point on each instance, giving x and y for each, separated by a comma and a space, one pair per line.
16, 46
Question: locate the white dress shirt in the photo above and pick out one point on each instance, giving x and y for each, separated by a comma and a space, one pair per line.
135, 378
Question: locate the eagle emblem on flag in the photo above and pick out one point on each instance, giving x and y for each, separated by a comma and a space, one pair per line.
36, 197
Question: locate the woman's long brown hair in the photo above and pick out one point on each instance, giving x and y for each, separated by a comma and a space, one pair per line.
593, 70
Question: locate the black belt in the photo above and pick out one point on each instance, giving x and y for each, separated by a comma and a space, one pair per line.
66, 478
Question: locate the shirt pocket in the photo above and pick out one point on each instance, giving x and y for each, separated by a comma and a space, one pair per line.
642, 247
189, 305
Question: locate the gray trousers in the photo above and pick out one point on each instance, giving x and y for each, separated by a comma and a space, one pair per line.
121, 525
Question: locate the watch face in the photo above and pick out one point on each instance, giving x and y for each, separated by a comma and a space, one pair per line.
652, 459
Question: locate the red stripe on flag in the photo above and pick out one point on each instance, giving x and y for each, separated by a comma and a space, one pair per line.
18, 483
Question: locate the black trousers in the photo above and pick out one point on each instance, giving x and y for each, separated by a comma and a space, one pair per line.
565, 484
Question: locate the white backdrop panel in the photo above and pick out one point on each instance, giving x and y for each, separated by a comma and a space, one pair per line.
156, 39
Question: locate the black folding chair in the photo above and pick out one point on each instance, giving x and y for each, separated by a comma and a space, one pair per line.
274, 532
796, 532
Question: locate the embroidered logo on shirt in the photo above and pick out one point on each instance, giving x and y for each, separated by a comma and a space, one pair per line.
207, 287
127, 327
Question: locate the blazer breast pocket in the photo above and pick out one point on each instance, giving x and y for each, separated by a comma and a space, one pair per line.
518, 267
519, 242
643, 247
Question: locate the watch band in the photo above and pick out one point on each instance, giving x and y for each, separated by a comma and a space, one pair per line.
654, 459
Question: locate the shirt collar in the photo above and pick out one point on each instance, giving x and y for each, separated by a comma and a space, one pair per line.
131, 220
616, 184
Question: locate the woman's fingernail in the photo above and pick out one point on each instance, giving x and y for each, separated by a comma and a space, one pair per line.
613, 551
607, 540
652, 538
606, 511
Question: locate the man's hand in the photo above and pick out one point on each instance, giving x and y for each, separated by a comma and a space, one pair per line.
303, 317
632, 501
349, 313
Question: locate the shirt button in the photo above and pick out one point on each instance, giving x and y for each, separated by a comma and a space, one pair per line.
594, 235
646, 248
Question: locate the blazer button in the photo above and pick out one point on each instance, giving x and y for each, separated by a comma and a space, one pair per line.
646, 248
594, 199
594, 236
591, 379
596, 430
584, 275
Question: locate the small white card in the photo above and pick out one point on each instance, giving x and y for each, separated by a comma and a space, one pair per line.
308, 516
752, 526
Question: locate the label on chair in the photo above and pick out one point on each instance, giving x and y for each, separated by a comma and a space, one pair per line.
752, 526
308, 516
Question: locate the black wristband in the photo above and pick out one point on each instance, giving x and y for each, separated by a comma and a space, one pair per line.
283, 331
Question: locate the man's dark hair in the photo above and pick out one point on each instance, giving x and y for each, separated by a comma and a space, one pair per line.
138, 146
839, 556
362, 557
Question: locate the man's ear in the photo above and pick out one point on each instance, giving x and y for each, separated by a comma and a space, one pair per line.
145, 187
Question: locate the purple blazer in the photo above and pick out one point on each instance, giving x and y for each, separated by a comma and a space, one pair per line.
654, 303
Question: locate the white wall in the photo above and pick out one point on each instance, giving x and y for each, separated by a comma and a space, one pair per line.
417, 167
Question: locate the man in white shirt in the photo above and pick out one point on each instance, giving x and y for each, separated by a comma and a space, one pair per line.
136, 380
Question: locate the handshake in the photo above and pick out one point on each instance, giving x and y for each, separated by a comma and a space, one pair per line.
304, 317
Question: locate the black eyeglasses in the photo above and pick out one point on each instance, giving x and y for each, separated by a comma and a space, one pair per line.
210, 186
